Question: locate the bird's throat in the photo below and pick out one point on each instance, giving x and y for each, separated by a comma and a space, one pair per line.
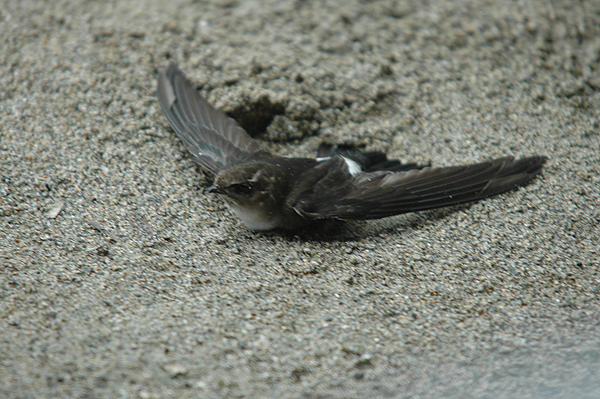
253, 219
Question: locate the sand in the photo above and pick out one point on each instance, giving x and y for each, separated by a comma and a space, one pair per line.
121, 277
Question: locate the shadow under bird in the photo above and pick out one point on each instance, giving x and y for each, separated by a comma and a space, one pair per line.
268, 192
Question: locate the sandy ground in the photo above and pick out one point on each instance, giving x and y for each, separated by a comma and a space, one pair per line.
122, 278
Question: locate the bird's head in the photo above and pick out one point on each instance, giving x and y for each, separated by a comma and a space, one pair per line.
255, 191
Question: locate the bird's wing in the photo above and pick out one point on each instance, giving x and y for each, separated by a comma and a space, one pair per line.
215, 140
320, 187
381, 194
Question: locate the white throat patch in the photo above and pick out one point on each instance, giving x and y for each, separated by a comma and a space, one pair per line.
252, 220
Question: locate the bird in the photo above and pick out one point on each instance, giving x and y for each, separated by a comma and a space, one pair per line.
271, 192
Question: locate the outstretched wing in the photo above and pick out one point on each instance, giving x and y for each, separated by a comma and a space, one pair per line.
215, 140
381, 194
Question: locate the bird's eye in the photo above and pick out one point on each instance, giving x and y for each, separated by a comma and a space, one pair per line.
243, 188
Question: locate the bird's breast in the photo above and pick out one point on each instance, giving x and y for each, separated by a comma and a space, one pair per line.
253, 219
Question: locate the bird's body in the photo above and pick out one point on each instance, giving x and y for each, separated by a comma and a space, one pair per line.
271, 192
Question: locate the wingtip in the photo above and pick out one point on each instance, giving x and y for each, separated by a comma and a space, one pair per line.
166, 83
534, 164
165, 91
173, 70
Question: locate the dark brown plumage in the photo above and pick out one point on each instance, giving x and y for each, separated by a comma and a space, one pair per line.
272, 192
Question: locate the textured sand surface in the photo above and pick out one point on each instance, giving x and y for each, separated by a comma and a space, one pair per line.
120, 277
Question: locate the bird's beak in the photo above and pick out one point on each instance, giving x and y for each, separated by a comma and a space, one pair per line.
214, 189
